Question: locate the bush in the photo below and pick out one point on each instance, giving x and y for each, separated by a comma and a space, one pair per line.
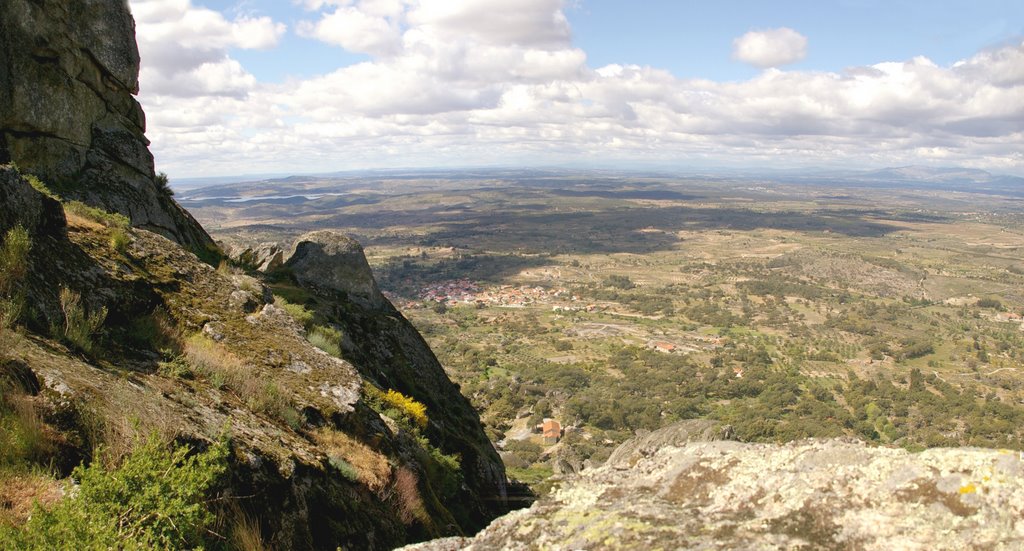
297, 311
619, 282
327, 339
990, 303
163, 184
157, 499
80, 326
409, 407
119, 240
398, 406
13, 268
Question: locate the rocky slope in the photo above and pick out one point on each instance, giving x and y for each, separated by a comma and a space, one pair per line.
324, 451
187, 352
672, 489
68, 73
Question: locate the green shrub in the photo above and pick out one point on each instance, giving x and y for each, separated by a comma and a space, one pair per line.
80, 326
619, 282
157, 499
163, 184
327, 339
297, 311
990, 303
344, 467
13, 268
119, 240
443, 470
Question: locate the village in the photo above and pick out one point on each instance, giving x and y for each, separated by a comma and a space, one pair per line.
464, 291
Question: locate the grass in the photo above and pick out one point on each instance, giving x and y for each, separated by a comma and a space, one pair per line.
244, 532
79, 325
22, 491
119, 240
298, 312
39, 186
24, 437
13, 269
223, 369
327, 339
364, 464
100, 216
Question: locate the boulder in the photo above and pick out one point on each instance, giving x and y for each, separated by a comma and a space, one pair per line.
20, 204
264, 257
329, 261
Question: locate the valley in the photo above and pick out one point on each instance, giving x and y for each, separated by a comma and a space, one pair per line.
619, 302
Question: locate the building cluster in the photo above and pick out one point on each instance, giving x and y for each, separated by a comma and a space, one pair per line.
459, 290
463, 291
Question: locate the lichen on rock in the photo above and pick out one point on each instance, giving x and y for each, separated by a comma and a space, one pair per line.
813, 494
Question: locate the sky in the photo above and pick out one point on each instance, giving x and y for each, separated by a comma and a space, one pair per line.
234, 87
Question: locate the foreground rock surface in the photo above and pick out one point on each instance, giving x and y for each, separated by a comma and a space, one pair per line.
816, 494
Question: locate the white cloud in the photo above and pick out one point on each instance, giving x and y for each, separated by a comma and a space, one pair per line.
531, 23
770, 48
356, 31
472, 82
184, 48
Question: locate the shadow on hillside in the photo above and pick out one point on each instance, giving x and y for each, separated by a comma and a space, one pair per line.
623, 229
408, 276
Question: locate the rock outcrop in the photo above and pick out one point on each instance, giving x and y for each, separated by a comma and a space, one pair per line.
813, 494
68, 73
262, 257
387, 350
332, 262
25, 206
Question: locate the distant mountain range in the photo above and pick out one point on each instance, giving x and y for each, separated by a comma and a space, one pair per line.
913, 176
920, 177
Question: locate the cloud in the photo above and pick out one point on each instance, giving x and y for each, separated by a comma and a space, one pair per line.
770, 48
356, 31
184, 48
446, 85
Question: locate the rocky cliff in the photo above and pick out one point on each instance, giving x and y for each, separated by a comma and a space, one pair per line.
68, 73
111, 327
674, 489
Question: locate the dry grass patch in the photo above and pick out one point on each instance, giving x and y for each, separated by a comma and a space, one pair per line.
407, 493
218, 365
223, 369
77, 221
126, 419
19, 492
372, 468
